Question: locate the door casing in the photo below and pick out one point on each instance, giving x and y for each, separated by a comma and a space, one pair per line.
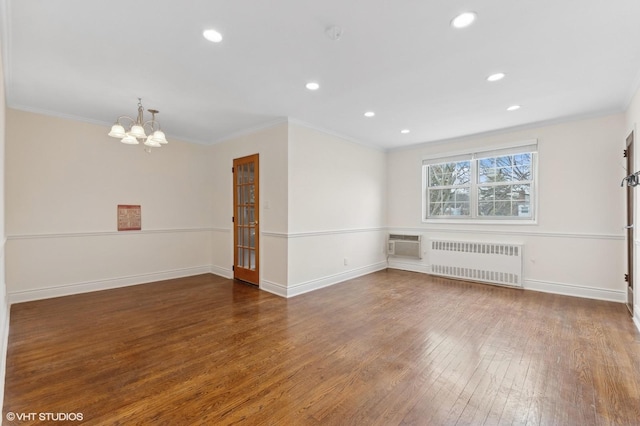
629, 153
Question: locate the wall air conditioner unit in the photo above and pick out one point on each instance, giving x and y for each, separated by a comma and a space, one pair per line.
404, 246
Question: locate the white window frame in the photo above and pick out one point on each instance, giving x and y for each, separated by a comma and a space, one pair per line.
528, 146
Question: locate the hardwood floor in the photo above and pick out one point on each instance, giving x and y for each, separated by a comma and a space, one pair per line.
389, 348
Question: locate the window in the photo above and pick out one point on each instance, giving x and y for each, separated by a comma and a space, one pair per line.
489, 185
449, 188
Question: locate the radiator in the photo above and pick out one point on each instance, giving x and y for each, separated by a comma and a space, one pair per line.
404, 246
494, 263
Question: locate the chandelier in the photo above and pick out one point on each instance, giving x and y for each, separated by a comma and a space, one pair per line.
136, 131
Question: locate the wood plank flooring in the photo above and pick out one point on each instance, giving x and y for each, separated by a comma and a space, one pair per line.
389, 348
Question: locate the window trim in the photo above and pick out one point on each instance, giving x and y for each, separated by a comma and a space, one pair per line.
512, 148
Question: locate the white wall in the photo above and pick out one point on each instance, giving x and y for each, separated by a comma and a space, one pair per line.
4, 303
631, 124
64, 179
322, 201
322, 212
577, 246
271, 144
326, 206
337, 195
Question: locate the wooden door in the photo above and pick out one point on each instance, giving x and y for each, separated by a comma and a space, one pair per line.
246, 231
630, 226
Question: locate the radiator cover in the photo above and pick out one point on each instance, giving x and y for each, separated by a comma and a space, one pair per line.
496, 263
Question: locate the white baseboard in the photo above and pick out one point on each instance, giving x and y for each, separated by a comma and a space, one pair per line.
316, 284
222, 272
274, 288
534, 285
636, 319
576, 290
106, 284
407, 265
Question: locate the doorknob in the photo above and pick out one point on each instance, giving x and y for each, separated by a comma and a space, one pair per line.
256, 223
629, 226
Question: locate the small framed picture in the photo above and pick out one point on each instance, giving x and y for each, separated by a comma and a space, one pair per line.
129, 218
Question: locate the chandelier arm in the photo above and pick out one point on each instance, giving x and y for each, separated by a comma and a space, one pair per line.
125, 117
152, 125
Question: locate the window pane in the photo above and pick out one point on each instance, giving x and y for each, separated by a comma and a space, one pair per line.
435, 209
522, 159
504, 174
487, 171
487, 163
503, 208
449, 174
460, 194
524, 210
485, 209
463, 173
486, 193
485, 176
502, 192
250, 173
460, 209
246, 258
450, 209
449, 202
505, 168
504, 161
520, 192
504, 200
522, 173
435, 175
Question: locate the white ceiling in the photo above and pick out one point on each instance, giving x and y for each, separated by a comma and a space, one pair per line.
92, 59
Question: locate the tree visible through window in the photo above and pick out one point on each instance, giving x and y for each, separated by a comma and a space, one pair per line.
449, 189
505, 186
496, 187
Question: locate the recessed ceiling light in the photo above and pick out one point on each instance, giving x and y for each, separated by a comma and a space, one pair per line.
369, 114
463, 20
405, 131
334, 32
212, 35
513, 108
312, 85
497, 76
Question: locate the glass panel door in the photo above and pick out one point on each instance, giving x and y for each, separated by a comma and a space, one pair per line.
246, 224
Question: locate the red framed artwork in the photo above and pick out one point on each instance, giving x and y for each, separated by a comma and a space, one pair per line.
129, 218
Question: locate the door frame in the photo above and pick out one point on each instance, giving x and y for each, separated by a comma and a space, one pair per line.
630, 228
